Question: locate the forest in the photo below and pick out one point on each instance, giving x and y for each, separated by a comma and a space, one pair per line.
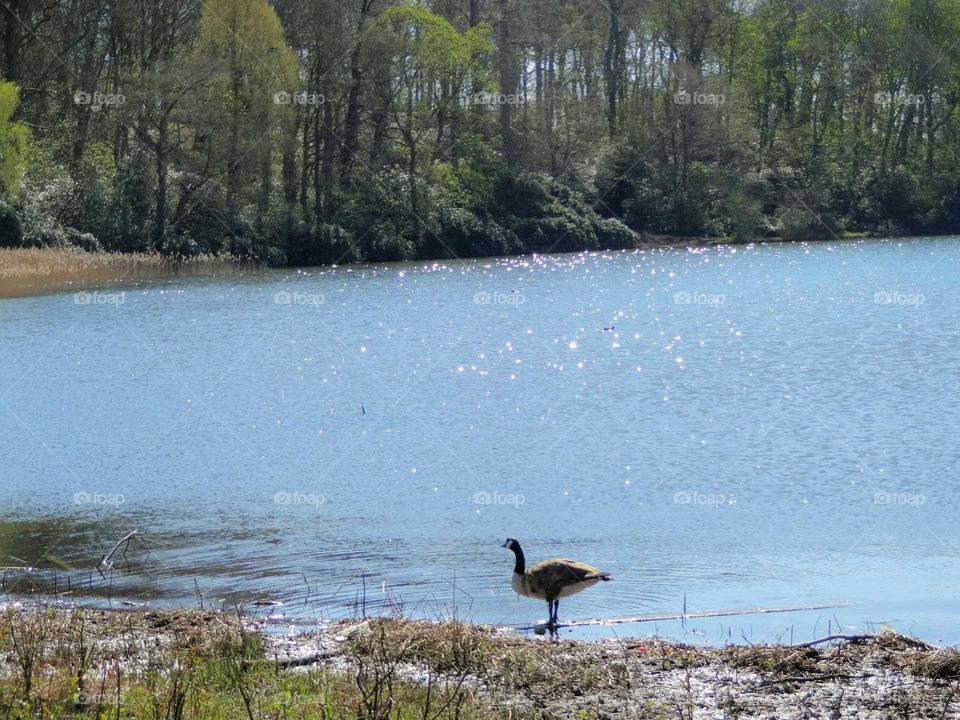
307, 132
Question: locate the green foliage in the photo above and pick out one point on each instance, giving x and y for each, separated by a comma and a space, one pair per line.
128, 214
11, 228
330, 132
437, 47
802, 223
460, 233
612, 234
545, 215
325, 244
745, 216
13, 142
180, 246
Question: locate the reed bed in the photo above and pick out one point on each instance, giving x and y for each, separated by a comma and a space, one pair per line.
33, 271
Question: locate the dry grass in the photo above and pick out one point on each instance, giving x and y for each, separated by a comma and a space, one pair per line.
918, 658
775, 659
201, 665
32, 271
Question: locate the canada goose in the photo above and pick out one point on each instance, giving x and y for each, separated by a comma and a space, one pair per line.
551, 580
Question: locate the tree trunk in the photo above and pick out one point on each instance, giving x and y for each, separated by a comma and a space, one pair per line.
329, 154
611, 66
160, 213
508, 83
305, 163
12, 10
351, 125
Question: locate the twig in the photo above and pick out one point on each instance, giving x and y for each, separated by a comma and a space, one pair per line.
308, 660
828, 638
105, 563
816, 678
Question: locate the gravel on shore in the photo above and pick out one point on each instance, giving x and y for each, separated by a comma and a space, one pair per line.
881, 676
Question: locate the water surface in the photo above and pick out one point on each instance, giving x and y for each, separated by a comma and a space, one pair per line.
759, 426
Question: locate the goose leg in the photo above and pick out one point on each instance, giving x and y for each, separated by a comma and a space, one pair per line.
556, 612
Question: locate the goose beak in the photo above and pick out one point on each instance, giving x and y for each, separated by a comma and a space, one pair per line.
504, 544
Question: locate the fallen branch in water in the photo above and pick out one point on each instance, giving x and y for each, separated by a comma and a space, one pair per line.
105, 562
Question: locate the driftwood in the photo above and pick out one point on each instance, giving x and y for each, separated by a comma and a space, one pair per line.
105, 562
830, 638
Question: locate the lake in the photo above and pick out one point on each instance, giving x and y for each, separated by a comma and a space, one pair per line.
730, 427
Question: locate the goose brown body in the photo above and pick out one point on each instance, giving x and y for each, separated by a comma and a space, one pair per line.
556, 578
553, 579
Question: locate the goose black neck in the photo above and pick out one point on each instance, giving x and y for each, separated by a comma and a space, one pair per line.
520, 565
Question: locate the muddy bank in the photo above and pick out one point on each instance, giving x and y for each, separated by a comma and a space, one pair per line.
882, 676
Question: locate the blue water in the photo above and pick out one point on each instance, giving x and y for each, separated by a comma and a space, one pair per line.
762, 426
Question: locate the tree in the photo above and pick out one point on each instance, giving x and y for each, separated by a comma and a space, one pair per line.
253, 83
432, 66
13, 142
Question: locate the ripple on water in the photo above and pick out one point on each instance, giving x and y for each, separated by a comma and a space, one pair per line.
734, 426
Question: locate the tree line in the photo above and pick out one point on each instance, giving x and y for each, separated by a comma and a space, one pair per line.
328, 131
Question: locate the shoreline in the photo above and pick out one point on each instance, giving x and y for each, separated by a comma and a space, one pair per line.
30, 272
479, 670
26, 272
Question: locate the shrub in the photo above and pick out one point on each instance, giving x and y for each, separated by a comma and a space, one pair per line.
804, 224
179, 245
544, 215
326, 243
744, 216
82, 240
46, 204
383, 243
613, 234
126, 227
11, 229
